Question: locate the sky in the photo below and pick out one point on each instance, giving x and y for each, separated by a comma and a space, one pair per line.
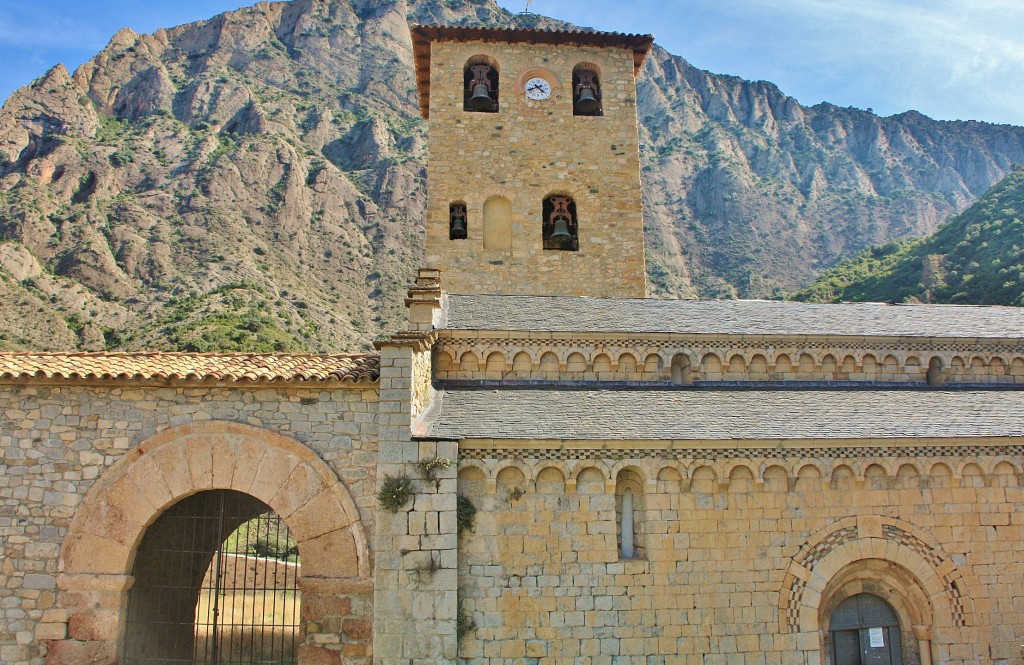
948, 59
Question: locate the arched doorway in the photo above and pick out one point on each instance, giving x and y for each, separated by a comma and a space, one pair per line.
216, 583
864, 630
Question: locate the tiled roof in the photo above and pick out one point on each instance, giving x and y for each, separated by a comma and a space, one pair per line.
699, 415
220, 367
423, 35
729, 317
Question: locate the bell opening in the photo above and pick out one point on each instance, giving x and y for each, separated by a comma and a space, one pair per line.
560, 224
457, 222
586, 93
481, 88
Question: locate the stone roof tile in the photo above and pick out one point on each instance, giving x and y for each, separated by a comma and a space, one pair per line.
729, 317
724, 414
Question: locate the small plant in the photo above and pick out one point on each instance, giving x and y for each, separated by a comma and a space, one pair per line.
395, 492
429, 468
515, 493
465, 514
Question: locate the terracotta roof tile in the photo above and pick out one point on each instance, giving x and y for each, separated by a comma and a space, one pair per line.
221, 367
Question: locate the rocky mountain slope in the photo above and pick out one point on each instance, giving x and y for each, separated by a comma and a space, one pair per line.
975, 258
257, 182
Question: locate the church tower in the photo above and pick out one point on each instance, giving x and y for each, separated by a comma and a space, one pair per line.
534, 169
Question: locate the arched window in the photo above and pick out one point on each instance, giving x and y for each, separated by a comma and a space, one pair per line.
480, 88
498, 223
681, 375
864, 629
586, 90
629, 514
216, 581
458, 228
560, 226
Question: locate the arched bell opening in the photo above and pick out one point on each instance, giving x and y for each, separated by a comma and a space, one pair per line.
480, 85
216, 582
561, 225
586, 90
458, 227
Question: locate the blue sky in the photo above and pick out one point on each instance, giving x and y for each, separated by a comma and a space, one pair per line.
948, 59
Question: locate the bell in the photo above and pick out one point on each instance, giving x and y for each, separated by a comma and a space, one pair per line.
481, 99
586, 103
458, 229
561, 234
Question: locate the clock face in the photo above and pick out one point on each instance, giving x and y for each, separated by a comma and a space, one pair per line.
537, 88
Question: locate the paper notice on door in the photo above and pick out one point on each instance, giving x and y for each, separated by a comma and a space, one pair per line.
876, 638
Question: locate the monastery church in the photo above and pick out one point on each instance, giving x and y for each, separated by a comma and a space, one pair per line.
545, 466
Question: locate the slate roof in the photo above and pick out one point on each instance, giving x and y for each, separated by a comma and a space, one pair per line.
219, 367
723, 415
729, 317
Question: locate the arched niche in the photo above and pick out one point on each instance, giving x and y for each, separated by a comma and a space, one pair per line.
497, 224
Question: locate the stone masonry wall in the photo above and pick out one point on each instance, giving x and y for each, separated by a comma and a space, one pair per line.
740, 553
526, 152
415, 578
57, 440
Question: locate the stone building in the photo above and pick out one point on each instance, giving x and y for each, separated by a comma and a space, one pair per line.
653, 481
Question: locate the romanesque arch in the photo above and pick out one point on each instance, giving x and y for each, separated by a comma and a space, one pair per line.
885, 557
98, 553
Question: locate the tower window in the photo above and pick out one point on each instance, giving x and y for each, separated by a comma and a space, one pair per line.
457, 228
586, 91
480, 87
561, 228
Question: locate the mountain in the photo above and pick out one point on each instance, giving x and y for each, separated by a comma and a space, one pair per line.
257, 182
975, 258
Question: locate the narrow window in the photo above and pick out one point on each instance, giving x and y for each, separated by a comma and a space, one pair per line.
586, 90
561, 228
681, 375
480, 89
629, 514
457, 229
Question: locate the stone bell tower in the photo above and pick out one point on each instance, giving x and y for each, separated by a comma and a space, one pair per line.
534, 171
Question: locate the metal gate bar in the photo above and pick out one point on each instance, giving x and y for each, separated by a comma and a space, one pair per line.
216, 584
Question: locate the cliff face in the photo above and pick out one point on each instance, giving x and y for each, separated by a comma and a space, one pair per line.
257, 182
753, 193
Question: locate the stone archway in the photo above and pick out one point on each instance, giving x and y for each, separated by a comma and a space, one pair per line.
883, 556
99, 550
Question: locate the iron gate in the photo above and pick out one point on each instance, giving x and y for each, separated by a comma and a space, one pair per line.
216, 583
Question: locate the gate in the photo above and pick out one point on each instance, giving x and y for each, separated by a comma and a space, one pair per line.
216, 583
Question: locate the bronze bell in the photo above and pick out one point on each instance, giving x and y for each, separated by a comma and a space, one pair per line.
481, 99
457, 229
587, 102
560, 234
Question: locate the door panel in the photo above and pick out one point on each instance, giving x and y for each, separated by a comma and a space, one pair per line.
846, 647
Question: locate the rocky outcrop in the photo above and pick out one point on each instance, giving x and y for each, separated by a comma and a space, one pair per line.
272, 159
